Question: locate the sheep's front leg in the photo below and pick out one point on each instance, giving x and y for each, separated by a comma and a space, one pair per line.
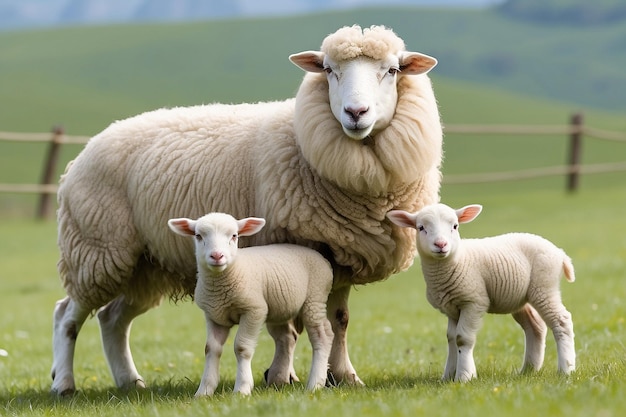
338, 315
450, 369
467, 327
285, 336
250, 325
535, 331
216, 337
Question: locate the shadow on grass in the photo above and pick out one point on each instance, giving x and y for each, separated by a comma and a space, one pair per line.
176, 392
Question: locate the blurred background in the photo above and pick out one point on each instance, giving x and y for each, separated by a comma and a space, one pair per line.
525, 64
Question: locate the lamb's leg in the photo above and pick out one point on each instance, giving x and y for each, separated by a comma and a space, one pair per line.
467, 327
281, 371
250, 325
535, 331
216, 337
320, 334
559, 320
115, 324
68, 319
338, 315
450, 369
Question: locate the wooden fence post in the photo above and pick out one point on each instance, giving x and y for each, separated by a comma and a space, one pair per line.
576, 123
48, 176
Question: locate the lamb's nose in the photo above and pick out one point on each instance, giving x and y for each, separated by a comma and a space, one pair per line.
356, 112
217, 255
441, 244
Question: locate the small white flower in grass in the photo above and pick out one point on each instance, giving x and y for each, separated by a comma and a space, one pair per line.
4, 353
387, 329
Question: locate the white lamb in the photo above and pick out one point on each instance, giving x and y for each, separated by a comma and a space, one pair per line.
511, 273
362, 137
251, 286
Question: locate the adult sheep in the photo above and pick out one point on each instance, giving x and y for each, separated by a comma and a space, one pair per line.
362, 137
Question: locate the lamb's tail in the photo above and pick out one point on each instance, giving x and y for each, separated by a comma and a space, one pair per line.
568, 268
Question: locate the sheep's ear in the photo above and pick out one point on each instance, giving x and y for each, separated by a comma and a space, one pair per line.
311, 61
414, 63
468, 213
250, 225
184, 227
402, 218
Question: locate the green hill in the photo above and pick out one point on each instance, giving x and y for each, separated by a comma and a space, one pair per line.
86, 77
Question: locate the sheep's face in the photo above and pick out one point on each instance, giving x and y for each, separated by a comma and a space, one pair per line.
216, 237
437, 227
363, 91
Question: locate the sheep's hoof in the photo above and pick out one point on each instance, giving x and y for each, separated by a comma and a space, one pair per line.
266, 373
67, 392
330, 380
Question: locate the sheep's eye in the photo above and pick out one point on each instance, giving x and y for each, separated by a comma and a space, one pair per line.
393, 71
456, 226
421, 228
234, 238
198, 237
328, 70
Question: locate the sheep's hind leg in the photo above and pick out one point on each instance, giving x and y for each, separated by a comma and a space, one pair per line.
115, 324
68, 319
535, 331
450, 369
281, 371
559, 320
341, 368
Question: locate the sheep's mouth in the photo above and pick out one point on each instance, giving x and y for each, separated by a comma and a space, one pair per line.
440, 253
357, 133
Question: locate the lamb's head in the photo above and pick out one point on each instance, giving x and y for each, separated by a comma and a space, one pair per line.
216, 237
363, 68
437, 226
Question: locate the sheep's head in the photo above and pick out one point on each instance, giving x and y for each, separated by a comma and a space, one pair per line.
437, 227
216, 237
363, 68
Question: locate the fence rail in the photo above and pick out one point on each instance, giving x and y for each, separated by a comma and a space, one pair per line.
575, 130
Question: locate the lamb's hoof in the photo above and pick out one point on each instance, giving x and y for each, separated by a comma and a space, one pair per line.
64, 393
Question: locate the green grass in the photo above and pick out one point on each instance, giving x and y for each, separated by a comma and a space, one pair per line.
397, 341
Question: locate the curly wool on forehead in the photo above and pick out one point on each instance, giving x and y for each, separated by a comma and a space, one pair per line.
350, 42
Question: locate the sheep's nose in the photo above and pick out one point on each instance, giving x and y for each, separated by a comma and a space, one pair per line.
217, 255
356, 112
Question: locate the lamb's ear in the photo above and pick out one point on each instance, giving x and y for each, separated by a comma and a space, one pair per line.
402, 218
414, 63
468, 213
311, 61
250, 225
183, 226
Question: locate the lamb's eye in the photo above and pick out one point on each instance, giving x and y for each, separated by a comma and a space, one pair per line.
393, 71
234, 238
456, 226
198, 237
421, 228
328, 70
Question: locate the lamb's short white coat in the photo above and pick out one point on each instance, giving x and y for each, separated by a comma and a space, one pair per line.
362, 136
516, 273
251, 286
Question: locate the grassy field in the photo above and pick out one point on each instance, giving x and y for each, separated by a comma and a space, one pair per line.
397, 341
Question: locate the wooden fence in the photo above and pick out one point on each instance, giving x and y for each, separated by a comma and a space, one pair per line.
575, 130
